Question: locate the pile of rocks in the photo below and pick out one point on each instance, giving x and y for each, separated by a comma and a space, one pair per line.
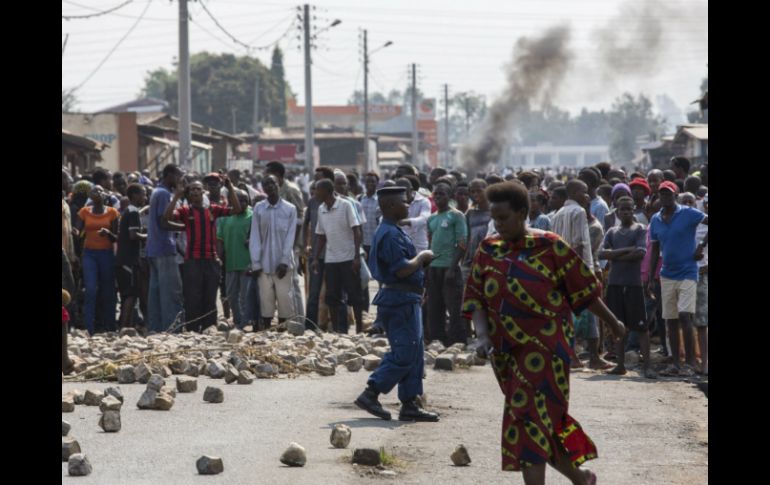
236, 356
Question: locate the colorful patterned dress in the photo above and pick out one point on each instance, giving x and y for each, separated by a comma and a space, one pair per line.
529, 290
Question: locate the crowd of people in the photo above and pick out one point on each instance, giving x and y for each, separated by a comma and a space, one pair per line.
154, 253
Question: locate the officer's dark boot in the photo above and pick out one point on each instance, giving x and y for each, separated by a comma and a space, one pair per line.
411, 411
369, 403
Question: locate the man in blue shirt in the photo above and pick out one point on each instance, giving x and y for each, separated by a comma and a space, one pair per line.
672, 230
165, 292
394, 262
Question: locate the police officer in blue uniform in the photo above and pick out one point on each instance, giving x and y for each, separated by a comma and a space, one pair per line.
394, 262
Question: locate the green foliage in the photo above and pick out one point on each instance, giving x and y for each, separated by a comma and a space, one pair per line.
629, 119
221, 82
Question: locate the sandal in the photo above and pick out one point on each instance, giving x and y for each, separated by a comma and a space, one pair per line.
617, 371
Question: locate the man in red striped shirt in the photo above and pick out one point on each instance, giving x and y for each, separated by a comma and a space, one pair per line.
200, 272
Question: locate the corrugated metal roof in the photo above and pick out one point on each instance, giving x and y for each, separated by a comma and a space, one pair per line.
698, 132
82, 141
174, 143
317, 136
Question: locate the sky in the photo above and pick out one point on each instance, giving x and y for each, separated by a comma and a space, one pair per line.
464, 44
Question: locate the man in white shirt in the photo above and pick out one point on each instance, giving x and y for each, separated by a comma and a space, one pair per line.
416, 225
571, 223
273, 228
339, 239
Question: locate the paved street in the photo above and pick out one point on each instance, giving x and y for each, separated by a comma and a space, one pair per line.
646, 432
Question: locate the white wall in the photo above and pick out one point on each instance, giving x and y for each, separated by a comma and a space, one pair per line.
102, 128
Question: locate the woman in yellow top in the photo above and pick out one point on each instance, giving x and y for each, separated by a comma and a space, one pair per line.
100, 225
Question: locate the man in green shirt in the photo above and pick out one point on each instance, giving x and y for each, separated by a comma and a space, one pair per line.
448, 234
232, 242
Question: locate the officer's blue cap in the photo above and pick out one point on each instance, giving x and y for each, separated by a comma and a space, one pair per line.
385, 191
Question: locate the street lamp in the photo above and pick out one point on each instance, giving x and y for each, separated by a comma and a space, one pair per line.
367, 165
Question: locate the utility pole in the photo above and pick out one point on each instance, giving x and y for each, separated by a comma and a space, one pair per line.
255, 114
367, 167
447, 148
185, 131
414, 115
309, 163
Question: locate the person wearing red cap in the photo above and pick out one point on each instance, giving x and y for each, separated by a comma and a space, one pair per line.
640, 190
672, 232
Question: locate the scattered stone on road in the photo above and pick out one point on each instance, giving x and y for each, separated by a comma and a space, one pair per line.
245, 377
215, 370
110, 403
231, 374
156, 382
445, 361
78, 465
366, 456
460, 456
67, 404
213, 395
115, 392
186, 384
371, 362
325, 369
110, 421
355, 364
142, 373
163, 402
209, 465
65, 428
147, 399
340, 437
234, 336
295, 328
93, 397
126, 374
69, 446
294, 455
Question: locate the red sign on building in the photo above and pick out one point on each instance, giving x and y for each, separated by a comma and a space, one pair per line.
282, 152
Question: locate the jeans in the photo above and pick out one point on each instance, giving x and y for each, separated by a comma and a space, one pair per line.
316, 281
237, 283
201, 281
164, 300
99, 273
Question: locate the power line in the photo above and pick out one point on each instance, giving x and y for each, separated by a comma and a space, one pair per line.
205, 9
149, 2
97, 14
248, 47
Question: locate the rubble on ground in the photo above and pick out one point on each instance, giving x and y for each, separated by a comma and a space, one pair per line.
127, 357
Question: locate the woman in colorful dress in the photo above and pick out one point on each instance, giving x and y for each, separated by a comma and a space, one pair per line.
523, 288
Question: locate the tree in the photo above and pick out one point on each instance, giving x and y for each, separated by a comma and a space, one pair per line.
630, 118
156, 84
278, 110
68, 100
357, 99
219, 83
670, 112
